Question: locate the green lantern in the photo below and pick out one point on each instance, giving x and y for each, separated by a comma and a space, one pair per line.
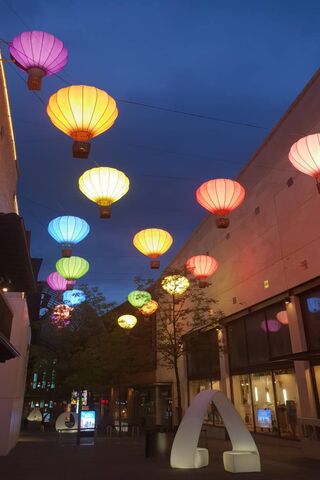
138, 298
72, 268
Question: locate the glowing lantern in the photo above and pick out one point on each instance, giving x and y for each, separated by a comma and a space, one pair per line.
138, 298
305, 156
175, 284
56, 282
220, 196
127, 321
72, 268
61, 315
272, 326
282, 317
104, 186
73, 297
82, 112
68, 231
202, 267
149, 308
153, 242
40, 54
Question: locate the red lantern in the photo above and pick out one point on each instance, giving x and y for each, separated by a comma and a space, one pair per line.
220, 196
202, 267
305, 156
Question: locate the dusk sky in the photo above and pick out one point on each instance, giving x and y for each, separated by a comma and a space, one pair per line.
242, 61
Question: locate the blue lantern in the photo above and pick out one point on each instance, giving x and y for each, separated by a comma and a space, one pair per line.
68, 231
73, 297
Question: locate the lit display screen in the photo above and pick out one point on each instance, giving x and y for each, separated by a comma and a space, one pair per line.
264, 418
87, 420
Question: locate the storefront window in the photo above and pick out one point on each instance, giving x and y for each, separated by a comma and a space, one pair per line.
195, 386
310, 306
257, 338
237, 344
287, 402
242, 399
279, 335
264, 403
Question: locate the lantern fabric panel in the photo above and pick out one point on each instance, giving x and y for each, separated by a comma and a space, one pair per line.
202, 266
72, 268
36, 49
73, 297
175, 284
57, 282
104, 185
68, 229
220, 196
82, 111
138, 298
149, 308
127, 321
305, 155
152, 242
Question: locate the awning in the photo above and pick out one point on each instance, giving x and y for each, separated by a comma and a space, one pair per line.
7, 350
16, 270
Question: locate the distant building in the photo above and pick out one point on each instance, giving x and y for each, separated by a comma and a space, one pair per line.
18, 288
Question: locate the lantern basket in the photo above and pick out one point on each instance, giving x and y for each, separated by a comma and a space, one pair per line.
222, 222
154, 264
80, 149
105, 211
35, 75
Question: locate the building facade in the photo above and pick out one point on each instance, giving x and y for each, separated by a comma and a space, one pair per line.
17, 281
268, 288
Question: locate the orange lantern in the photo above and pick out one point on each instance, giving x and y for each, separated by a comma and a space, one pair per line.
202, 267
153, 242
305, 156
220, 196
149, 308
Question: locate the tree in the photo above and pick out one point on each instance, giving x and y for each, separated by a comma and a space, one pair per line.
177, 315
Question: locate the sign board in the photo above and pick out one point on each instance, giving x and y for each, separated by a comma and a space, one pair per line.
87, 420
264, 418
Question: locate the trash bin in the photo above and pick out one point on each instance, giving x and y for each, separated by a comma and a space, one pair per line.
158, 442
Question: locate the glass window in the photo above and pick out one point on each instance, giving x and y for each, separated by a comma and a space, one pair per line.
203, 355
195, 386
278, 330
310, 306
237, 344
257, 338
287, 402
242, 399
264, 403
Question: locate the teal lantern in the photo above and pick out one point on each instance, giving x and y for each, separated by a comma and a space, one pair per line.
138, 298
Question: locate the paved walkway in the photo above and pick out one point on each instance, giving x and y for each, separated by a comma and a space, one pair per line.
40, 457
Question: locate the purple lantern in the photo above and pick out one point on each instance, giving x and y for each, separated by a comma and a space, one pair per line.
56, 282
40, 54
272, 325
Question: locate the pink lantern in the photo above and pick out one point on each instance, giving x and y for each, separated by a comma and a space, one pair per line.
220, 196
61, 315
282, 317
305, 156
56, 282
40, 54
273, 325
202, 267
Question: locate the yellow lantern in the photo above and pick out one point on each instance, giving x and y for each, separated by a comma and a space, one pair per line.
153, 242
82, 112
127, 321
175, 284
149, 308
104, 186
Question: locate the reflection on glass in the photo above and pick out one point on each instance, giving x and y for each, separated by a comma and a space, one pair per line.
313, 304
242, 399
287, 402
263, 403
195, 386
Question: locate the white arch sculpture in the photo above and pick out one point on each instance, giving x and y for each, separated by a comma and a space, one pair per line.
185, 453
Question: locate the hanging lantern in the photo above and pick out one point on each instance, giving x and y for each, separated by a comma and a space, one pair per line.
82, 112
72, 268
175, 284
220, 196
73, 297
202, 267
104, 186
56, 282
153, 242
149, 308
272, 325
68, 231
282, 317
61, 315
138, 298
40, 54
127, 321
305, 156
